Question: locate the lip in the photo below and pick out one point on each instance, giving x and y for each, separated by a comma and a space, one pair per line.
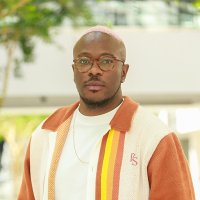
94, 85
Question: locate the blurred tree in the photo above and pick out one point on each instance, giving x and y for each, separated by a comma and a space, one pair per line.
22, 20
196, 3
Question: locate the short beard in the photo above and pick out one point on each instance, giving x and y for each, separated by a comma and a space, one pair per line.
99, 104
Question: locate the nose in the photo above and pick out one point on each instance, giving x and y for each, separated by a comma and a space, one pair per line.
95, 69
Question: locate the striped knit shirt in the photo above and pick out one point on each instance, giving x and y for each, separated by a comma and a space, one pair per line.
139, 158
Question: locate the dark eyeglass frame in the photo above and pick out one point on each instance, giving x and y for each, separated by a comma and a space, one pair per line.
97, 61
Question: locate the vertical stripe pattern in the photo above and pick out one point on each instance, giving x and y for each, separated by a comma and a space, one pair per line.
60, 141
109, 165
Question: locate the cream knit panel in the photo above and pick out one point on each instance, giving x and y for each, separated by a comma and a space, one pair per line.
38, 146
140, 142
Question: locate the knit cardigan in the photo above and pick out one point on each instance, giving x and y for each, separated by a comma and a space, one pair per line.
139, 158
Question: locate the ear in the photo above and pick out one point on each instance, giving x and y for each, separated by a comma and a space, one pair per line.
73, 67
125, 68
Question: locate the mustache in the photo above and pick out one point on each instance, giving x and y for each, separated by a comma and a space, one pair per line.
94, 78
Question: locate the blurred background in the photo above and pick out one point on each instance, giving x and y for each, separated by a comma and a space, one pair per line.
36, 41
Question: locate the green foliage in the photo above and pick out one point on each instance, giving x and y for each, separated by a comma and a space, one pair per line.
1, 137
196, 3
21, 126
21, 20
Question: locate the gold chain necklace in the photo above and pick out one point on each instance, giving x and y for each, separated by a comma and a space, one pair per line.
74, 143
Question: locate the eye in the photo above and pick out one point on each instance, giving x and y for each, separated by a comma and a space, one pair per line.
84, 61
106, 61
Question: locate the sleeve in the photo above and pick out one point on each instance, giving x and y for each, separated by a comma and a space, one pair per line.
168, 172
26, 191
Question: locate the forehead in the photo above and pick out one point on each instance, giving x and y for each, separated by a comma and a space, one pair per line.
97, 43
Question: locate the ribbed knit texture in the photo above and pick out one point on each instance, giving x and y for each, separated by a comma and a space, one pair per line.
60, 141
151, 164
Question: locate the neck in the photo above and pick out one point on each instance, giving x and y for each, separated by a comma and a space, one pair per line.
99, 110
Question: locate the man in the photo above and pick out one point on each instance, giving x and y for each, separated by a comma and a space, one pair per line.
105, 146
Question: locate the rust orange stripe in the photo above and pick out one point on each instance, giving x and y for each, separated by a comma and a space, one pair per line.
112, 164
99, 168
118, 163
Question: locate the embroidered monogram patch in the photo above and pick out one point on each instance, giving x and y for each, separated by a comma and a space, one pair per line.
133, 159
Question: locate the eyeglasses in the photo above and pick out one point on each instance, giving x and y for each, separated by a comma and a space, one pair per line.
105, 63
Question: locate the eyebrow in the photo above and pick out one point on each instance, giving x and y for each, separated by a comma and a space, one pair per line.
89, 55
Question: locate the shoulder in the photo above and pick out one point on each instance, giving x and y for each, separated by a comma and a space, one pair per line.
145, 120
58, 117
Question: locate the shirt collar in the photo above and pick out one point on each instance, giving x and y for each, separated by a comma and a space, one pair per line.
120, 122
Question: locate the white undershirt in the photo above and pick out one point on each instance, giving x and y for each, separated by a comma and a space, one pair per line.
71, 176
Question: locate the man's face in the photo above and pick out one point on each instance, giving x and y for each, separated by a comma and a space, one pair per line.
96, 86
